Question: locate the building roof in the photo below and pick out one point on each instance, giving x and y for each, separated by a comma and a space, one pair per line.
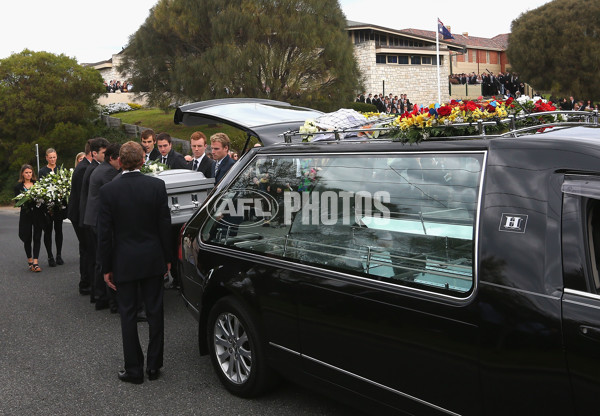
499, 42
350, 24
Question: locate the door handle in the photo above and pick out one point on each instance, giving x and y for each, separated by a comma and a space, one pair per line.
590, 332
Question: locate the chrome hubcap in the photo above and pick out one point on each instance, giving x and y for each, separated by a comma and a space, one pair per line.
232, 348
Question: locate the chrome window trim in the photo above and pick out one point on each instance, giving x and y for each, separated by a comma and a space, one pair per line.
268, 260
582, 294
374, 383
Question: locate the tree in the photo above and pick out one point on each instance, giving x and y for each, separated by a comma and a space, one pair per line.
291, 50
45, 99
556, 48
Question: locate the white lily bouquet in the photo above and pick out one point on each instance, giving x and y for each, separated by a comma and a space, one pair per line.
50, 193
153, 166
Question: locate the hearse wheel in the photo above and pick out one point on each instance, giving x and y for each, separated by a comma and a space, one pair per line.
236, 349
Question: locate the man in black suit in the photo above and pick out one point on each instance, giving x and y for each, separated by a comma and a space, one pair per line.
135, 254
97, 149
168, 155
103, 174
148, 140
200, 162
73, 216
220, 143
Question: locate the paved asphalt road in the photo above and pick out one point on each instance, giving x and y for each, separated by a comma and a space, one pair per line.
58, 356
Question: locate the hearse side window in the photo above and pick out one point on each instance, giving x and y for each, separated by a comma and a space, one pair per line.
581, 233
405, 219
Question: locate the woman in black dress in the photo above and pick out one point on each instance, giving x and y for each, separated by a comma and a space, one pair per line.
31, 220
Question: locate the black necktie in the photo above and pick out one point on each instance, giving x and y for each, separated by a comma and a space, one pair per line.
164, 161
195, 167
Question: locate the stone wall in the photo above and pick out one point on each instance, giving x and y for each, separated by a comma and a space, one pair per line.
419, 82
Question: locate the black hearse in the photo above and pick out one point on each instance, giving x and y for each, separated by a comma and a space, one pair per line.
450, 277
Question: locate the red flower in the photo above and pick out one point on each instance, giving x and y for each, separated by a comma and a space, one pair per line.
444, 110
490, 108
509, 101
471, 106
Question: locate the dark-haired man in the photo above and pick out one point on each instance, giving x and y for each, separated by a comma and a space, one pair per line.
168, 155
97, 148
73, 216
103, 174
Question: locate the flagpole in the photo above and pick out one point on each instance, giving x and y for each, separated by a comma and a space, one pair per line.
437, 48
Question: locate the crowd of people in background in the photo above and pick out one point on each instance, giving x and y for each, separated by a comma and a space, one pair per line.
505, 84
118, 86
389, 104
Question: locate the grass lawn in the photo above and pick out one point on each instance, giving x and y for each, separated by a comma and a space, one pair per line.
158, 121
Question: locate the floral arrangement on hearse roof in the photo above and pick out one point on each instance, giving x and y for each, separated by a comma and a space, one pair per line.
51, 193
457, 118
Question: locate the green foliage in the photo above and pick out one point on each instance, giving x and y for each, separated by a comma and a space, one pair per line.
556, 47
46, 99
190, 50
361, 107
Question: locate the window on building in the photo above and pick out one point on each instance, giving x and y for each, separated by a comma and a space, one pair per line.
406, 220
392, 59
473, 56
415, 60
487, 57
426, 60
380, 59
403, 59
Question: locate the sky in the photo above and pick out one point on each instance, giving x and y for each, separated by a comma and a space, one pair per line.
93, 31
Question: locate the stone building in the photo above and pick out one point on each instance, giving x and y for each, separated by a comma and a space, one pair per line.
405, 61
400, 62
108, 69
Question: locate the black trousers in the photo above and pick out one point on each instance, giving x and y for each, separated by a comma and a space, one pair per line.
32, 233
84, 279
99, 288
58, 236
151, 291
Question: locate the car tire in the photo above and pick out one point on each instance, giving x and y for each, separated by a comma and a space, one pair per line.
236, 349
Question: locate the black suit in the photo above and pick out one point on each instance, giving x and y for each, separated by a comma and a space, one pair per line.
134, 226
206, 166
90, 235
103, 174
73, 214
174, 160
154, 154
224, 166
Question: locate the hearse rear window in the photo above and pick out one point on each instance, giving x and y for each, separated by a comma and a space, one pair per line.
404, 219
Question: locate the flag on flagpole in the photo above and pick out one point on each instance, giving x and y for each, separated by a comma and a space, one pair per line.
442, 30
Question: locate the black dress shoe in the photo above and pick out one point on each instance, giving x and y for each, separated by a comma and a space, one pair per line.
101, 305
84, 291
128, 378
152, 374
59, 260
51, 262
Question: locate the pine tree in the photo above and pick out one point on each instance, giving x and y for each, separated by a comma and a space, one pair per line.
291, 50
